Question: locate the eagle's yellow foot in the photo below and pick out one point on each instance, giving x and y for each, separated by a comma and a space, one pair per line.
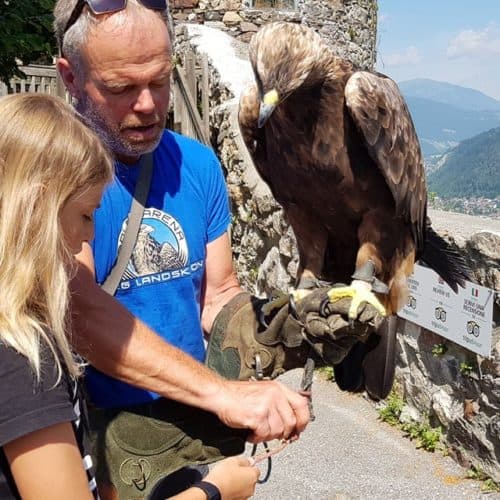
360, 292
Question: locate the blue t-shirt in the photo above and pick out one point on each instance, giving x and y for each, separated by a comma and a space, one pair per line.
187, 207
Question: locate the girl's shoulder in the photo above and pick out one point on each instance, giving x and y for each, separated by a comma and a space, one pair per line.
29, 403
11, 360
14, 364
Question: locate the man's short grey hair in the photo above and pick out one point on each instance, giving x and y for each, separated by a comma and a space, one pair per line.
70, 43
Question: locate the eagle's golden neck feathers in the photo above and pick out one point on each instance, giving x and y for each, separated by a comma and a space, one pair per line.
285, 56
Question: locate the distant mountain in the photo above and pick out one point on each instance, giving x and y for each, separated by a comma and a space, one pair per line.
441, 126
447, 93
445, 114
472, 169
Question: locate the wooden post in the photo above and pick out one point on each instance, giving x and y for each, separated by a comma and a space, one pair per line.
60, 88
190, 73
31, 81
205, 103
177, 126
191, 123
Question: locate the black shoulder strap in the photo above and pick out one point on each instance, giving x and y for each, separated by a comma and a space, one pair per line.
133, 225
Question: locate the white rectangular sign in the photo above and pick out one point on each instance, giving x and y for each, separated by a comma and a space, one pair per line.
465, 317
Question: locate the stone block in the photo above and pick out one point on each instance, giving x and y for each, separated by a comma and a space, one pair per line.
486, 243
231, 19
213, 15
184, 4
180, 16
231, 4
248, 27
246, 37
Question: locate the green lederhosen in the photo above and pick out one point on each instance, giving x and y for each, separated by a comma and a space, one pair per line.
136, 446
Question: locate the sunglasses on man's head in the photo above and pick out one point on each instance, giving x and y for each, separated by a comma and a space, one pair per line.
108, 7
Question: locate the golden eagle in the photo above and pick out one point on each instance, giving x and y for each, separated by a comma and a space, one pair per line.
339, 151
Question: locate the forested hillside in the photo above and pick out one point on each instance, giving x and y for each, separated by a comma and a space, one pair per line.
472, 169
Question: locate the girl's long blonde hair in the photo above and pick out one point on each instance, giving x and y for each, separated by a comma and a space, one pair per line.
47, 156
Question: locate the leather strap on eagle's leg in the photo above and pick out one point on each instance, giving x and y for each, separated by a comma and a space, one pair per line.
367, 273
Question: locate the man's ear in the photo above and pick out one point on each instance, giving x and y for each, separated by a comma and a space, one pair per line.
68, 76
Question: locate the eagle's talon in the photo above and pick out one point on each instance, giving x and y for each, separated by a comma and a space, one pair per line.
322, 307
292, 306
360, 292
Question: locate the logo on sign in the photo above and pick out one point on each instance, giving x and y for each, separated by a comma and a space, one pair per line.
411, 302
440, 314
473, 328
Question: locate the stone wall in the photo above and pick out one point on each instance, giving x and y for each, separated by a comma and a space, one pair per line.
453, 387
466, 403
349, 26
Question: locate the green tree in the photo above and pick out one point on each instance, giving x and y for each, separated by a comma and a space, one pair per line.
26, 28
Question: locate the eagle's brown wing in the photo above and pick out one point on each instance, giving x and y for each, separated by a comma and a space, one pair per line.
381, 115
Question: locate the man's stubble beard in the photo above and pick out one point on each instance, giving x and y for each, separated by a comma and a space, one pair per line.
109, 135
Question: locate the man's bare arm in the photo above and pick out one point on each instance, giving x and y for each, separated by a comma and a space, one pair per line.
120, 345
221, 284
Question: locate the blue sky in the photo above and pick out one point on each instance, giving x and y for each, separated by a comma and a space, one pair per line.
454, 41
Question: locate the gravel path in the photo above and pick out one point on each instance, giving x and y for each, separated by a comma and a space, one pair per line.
347, 453
461, 225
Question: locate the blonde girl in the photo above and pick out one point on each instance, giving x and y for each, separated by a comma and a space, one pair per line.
52, 173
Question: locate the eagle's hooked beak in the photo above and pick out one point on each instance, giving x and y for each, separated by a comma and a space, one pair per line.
267, 106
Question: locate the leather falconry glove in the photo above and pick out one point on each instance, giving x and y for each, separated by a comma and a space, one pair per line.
254, 337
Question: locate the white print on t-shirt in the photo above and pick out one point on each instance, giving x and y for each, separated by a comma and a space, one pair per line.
160, 252
161, 277
160, 245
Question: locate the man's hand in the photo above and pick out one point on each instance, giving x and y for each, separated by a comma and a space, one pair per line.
268, 408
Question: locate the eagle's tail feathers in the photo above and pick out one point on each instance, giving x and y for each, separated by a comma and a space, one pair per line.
380, 361
370, 365
445, 260
348, 374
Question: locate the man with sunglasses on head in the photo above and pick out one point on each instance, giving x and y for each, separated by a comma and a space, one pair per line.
147, 341
145, 344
